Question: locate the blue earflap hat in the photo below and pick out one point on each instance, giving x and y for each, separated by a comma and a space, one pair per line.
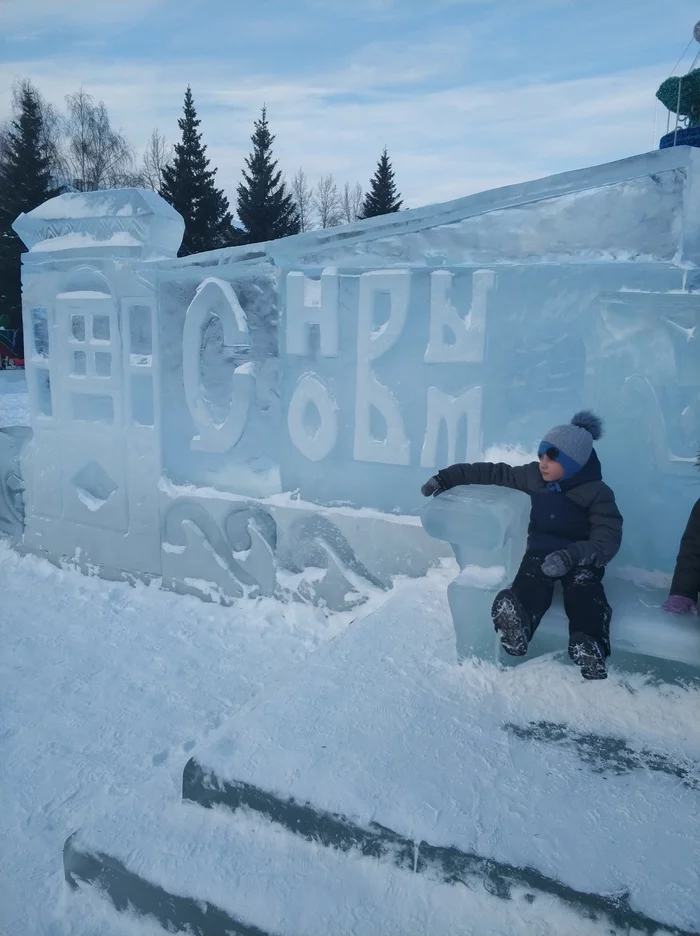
571, 445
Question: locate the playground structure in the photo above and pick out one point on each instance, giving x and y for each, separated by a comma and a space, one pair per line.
9, 345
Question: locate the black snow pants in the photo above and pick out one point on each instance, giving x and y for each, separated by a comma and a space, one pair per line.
585, 603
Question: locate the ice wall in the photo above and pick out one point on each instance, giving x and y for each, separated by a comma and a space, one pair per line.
447, 364
217, 418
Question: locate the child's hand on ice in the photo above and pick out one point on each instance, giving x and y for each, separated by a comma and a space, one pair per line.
432, 487
677, 604
557, 563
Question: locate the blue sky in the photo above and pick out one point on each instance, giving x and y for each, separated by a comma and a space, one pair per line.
466, 94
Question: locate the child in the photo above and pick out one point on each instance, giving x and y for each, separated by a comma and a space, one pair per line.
683, 597
575, 530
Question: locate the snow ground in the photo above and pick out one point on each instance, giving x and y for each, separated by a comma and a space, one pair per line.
104, 689
14, 403
382, 725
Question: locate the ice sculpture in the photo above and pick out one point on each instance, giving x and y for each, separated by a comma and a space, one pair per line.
487, 530
134, 223
326, 375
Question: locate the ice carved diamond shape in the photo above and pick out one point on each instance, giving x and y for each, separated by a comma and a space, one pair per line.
93, 485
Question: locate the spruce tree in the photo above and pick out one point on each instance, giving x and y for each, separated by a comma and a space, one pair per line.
188, 185
25, 183
265, 208
382, 197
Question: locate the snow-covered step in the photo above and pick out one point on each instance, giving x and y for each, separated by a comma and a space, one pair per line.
440, 863
212, 873
381, 726
609, 755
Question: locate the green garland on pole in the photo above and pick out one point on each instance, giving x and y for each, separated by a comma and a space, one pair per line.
688, 105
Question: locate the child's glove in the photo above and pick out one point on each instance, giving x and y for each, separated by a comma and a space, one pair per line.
432, 487
678, 604
557, 564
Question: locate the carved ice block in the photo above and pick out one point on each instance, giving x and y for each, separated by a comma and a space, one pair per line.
13, 440
486, 528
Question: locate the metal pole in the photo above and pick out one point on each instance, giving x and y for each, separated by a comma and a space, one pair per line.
678, 107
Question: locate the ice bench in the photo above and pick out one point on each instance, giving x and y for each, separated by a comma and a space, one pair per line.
487, 529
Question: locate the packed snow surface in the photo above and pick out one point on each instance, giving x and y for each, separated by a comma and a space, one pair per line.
14, 403
106, 689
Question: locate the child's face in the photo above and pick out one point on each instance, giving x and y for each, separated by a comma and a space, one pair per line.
549, 469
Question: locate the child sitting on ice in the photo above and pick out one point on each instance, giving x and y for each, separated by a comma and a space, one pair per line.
575, 530
683, 598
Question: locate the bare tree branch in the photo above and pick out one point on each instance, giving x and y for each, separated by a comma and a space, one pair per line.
98, 157
327, 202
303, 199
352, 201
158, 154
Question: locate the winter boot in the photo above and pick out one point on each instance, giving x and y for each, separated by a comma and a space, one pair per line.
512, 622
588, 654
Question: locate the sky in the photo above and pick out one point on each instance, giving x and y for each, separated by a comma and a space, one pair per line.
465, 94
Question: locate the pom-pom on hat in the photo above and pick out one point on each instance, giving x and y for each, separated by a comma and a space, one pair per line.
573, 442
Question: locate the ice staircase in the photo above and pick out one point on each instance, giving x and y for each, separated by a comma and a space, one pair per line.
382, 789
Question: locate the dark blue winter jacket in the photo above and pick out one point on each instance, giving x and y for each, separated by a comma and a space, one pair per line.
578, 514
557, 521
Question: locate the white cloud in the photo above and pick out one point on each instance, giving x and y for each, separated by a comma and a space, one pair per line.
389, 7
444, 142
41, 15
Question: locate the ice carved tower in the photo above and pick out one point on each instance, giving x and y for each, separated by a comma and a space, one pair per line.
92, 361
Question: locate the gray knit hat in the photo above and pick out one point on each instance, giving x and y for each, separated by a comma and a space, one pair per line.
574, 442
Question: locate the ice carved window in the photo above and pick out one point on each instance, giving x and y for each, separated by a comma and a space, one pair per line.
140, 335
142, 400
79, 364
43, 392
103, 364
100, 327
78, 327
40, 332
93, 407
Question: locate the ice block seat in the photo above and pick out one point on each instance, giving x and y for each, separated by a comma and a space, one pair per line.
487, 528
